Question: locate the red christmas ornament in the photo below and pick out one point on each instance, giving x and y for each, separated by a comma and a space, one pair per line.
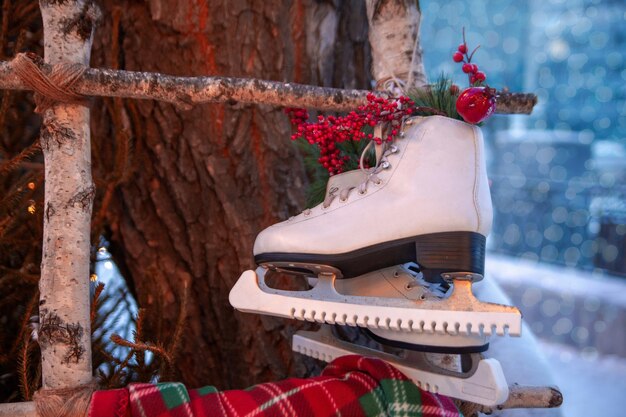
476, 104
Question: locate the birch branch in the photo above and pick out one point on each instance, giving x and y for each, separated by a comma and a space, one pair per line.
519, 397
185, 92
23, 409
529, 397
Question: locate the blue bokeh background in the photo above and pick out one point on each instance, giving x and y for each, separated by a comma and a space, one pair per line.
558, 176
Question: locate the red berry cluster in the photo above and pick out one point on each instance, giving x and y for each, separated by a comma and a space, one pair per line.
330, 130
475, 77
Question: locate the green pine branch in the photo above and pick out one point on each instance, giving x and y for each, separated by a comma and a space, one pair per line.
439, 96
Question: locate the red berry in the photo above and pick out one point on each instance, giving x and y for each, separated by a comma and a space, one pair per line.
476, 104
467, 68
472, 79
330, 130
474, 68
462, 48
457, 57
480, 76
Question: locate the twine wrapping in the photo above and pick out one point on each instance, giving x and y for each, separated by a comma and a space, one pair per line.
64, 402
53, 88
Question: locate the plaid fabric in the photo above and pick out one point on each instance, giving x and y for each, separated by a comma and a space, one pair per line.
350, 386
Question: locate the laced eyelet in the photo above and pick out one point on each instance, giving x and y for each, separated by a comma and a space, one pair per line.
401, 134
385, 165
394, 148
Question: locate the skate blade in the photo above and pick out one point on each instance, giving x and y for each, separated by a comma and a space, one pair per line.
486, 386
459, 314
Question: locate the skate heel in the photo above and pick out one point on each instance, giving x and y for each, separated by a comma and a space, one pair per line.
438, 253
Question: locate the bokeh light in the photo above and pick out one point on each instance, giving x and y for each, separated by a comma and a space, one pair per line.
558, 176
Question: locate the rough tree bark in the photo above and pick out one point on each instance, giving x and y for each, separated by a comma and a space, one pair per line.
206, 181
64, 331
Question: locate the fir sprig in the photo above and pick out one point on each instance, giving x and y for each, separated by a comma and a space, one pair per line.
440, 96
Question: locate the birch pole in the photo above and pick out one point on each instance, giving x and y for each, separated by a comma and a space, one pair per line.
394, 37
64, 325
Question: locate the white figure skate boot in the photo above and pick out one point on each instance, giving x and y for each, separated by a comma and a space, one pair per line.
426, 201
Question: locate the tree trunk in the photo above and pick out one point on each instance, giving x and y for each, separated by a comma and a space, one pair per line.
204, 182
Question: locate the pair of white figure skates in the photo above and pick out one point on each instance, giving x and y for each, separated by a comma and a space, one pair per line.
394, 250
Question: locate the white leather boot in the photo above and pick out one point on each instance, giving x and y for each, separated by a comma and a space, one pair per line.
427, 201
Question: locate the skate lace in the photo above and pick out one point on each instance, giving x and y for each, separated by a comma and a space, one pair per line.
370, 174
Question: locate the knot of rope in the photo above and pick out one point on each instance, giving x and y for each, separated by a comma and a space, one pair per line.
64, 402
52, 88
394, 86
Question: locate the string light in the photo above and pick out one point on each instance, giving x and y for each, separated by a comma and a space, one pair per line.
93, 277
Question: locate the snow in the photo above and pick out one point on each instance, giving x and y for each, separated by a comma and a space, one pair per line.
593, 382
591, 387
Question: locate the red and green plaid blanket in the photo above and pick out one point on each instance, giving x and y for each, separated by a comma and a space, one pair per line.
350, 386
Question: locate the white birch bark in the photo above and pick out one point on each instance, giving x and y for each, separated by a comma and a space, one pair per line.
186, 92
394, 37
64, 331
24, 409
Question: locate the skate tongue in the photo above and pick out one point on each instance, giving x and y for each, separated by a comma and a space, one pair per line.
378, 132
344, 181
